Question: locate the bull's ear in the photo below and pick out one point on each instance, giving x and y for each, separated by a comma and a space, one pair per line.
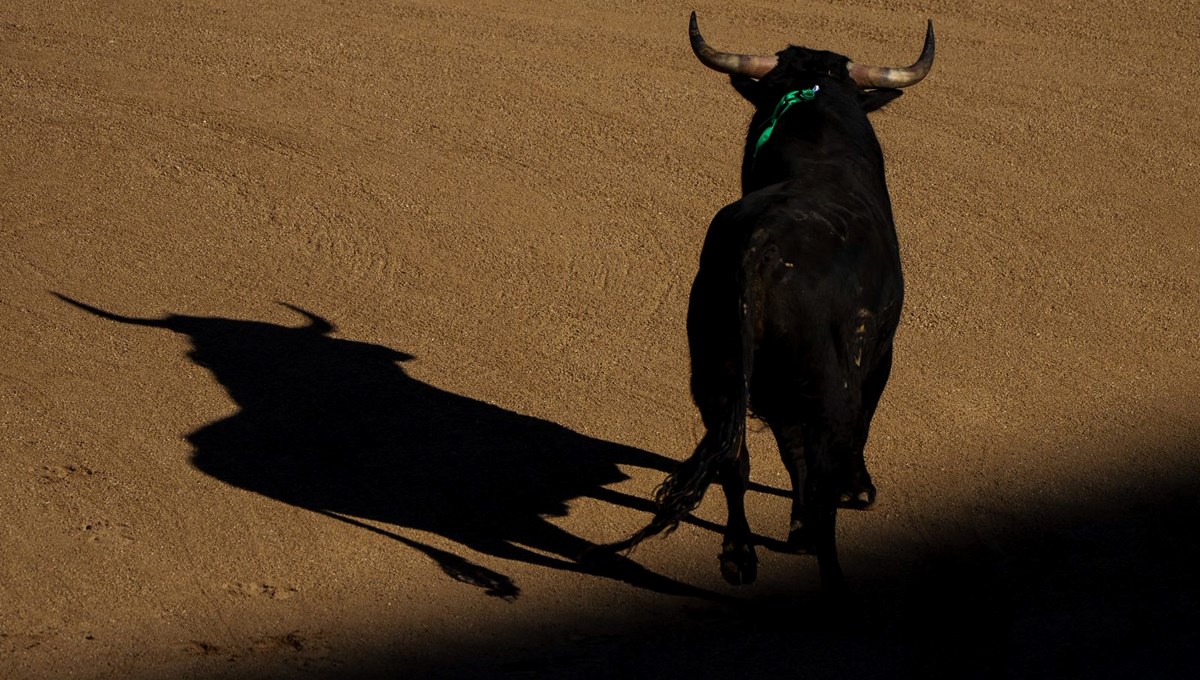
745, 86
870, 100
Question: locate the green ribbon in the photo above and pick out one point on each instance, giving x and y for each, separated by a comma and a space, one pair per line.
781, 108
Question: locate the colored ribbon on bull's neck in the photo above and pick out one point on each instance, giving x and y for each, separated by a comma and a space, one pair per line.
781, 108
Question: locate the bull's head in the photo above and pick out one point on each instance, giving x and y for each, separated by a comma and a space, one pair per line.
757, 77
835, 88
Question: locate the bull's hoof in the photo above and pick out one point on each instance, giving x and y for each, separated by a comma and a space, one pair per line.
858, 495
739, 565
798, 541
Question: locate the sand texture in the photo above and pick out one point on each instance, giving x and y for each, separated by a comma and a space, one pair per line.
332, 331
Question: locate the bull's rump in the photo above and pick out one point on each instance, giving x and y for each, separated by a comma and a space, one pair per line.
822, 282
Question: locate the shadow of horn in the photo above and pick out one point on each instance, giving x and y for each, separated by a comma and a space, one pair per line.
316, 324
154, 323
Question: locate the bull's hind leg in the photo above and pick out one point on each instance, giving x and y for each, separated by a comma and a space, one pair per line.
739, 563
718, 382
826, 445
858, 492
791, 449
829, 446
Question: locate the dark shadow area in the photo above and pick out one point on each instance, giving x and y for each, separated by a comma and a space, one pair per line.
1101, 589
338, 427
1106, 588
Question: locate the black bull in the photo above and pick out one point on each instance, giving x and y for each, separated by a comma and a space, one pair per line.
796, 302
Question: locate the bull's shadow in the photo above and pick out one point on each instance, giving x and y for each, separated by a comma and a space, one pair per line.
338, 427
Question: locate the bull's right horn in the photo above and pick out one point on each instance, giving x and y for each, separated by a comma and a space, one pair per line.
884, 76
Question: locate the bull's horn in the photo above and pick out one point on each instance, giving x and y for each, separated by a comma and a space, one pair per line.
316, 324
883, 76
752, 65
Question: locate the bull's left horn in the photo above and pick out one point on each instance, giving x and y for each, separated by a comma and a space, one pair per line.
755, 66
884, 76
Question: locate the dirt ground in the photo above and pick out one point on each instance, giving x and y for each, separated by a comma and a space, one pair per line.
331, 330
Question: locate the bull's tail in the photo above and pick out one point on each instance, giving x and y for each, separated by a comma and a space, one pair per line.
684, 488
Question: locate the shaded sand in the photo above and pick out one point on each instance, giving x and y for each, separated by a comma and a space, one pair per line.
332, 332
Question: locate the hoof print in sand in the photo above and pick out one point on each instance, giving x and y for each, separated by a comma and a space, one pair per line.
54, 474
260, 590
307, 650
103, 531
292, 641
201, 648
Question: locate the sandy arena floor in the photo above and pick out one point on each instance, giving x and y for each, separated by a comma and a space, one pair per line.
379, 315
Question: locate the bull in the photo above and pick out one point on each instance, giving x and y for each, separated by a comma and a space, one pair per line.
795, 305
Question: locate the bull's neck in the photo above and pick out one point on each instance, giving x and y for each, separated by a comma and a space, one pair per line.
809, 141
